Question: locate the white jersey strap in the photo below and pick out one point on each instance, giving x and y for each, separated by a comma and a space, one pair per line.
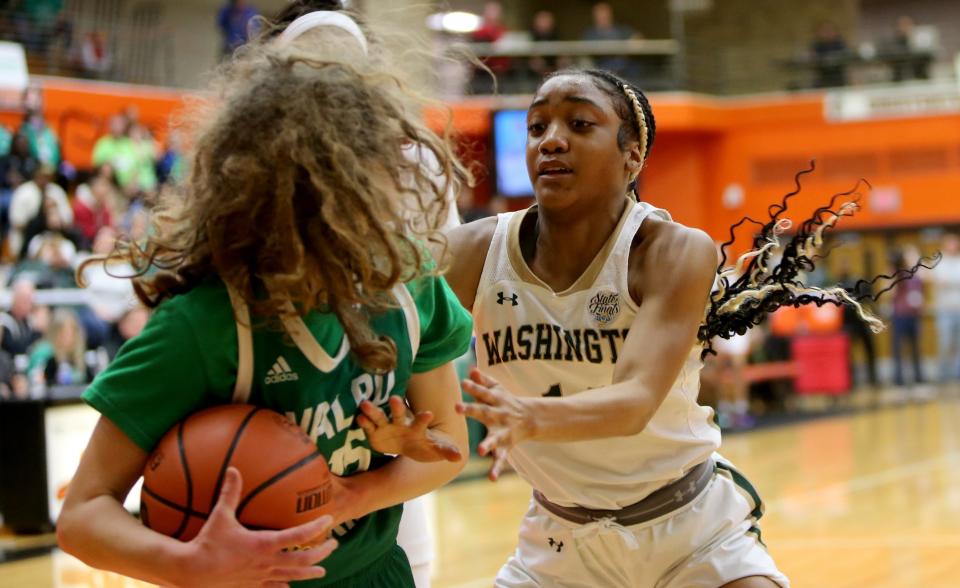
241, 312
305, 340
411, 315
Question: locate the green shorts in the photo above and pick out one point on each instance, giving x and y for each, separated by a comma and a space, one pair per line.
390, 571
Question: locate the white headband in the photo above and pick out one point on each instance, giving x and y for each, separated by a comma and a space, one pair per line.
323, 18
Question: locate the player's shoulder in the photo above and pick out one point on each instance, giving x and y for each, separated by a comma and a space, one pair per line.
465, 256
668, 248
204, 307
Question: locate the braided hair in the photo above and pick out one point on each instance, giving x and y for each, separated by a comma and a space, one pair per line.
630, 104
751, 289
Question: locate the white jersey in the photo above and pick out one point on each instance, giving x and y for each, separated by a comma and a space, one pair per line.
540, 343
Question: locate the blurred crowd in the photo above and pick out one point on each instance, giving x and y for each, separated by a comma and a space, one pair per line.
907, 52
543, 29
53, 217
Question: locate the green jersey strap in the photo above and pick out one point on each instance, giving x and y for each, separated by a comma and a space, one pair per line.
305, 341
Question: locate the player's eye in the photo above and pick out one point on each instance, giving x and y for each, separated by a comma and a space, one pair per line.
580, 124
536, 127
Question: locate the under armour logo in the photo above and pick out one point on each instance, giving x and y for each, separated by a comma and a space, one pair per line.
513, 298
558, 545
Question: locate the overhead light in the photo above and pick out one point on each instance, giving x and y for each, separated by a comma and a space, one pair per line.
454, 22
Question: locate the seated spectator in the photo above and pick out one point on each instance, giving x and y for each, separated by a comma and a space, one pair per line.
234, 22
111, 296
58, 358
93, 207
170, 167
908, 62
145, 166
95, 55
490, 31
36, 23
44, 144
605, 29
23, 324
26, 207
543, 29
51, 242
19, 164
118, 150
129, 326
6, 138
829, 53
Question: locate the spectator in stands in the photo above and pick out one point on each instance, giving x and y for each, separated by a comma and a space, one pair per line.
27, 205
605, 29
36, 23
544, 29
234, 21
170, 167
93, 207
145, 168
856, 329
907, 310
95, 55
44, 144
19, 164
24, 323
830, 54
908, 63
50, 240
110, 297
6, 138
118, 150
58, 358
946, 281
490, 31
129, 326
16, 167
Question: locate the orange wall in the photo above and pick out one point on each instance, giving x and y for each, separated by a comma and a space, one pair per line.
703, 146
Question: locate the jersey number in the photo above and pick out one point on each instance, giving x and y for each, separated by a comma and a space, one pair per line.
553, 392
351, 454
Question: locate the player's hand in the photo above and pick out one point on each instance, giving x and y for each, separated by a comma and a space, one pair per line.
508, 418
225, 553
404, 433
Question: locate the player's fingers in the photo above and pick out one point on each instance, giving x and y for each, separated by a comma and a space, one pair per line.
301, 534
499, 460
230, 492
480, 412
294, 574
481, 393
421, 421
374, 413
480, 378
398, 411
498, 439
305, 557
367, 425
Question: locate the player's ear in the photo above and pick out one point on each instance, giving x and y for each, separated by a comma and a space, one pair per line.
634, 160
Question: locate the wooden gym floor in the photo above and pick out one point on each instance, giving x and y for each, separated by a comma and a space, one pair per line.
867, 499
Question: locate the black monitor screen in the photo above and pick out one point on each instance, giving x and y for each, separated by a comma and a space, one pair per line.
509, 145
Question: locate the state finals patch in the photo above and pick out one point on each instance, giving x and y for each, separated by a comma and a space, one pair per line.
604, 307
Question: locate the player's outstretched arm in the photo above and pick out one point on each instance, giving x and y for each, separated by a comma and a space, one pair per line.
437, 392
94, 527
675, 269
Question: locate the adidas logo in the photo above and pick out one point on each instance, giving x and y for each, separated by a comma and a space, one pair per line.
280, 372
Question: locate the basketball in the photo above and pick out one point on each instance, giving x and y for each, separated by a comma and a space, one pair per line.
285, 479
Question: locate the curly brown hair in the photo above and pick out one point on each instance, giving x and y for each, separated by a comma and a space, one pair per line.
298, 191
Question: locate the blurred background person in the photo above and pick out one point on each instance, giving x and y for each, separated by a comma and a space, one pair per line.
94, 205
491, 30
829, 54
27, 208
24, 323
605, 29
170, 165
58, 359
234, 21
44, 144
856, 328
946, 287
543, 28
907, 310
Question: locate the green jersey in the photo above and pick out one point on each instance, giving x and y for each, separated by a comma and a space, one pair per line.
186, 359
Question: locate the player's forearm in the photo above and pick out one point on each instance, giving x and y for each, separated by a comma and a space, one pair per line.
617, 410
103, 535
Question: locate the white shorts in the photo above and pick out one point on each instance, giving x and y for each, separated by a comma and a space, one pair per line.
414, 536
707, 543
